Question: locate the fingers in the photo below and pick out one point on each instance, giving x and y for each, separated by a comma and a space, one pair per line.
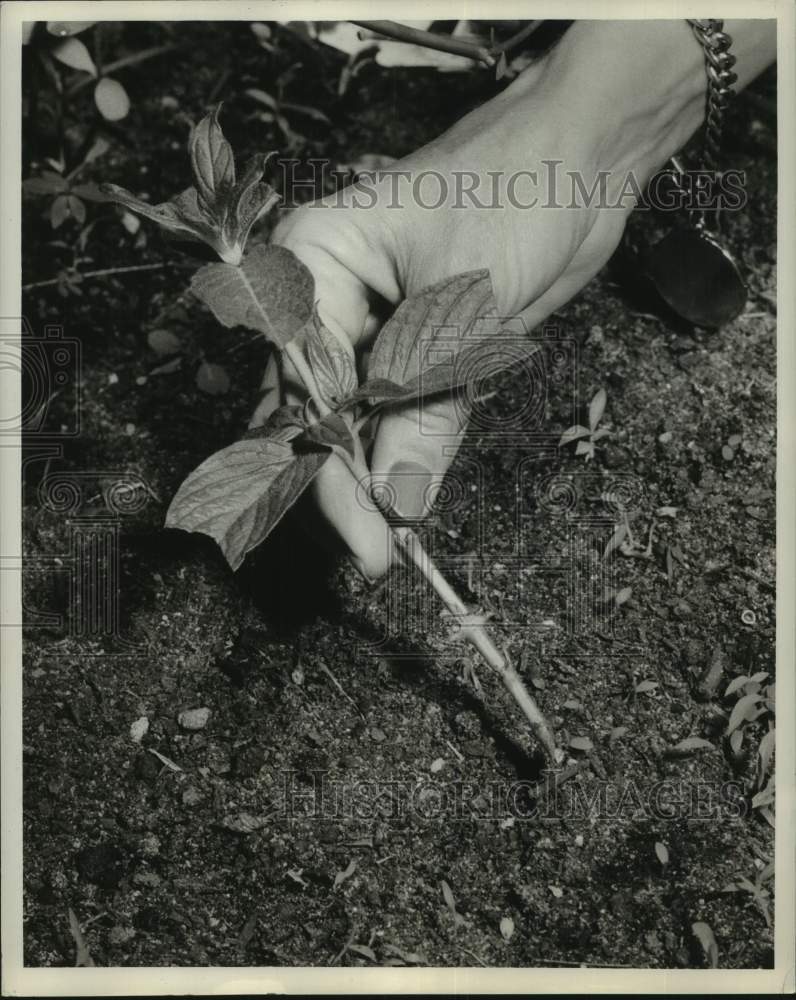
415, 445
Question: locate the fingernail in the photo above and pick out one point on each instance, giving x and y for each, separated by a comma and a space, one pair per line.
411, 482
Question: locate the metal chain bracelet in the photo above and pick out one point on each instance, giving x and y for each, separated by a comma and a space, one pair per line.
719, 61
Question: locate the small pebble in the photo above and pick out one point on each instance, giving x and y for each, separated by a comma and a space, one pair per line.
437, 765
727, 453
666, 437
113, 378
139, 729
129, 429
191, 796
194, 718
141, 380
378, 735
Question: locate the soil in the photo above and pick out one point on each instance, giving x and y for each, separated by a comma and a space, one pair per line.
215, 845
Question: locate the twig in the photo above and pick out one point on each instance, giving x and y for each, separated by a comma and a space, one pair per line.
429, 40
519, 37
99, 274
131, 60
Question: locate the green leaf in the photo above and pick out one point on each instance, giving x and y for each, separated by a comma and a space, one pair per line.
180, 216
330, 432
743, 709
689, 745
270, 291
74, 54
48, 183
379, 390
597, 408
573, 433
362, 949
331, 361
706, 938
249, 200
211, 159
616, 539
62, 29
239, 494
455, 319
283, 424
111, 99
59, 211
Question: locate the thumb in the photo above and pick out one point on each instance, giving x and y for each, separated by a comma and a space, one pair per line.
415, 444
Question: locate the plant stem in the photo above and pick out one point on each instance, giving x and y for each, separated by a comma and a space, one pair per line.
477, 635
99, 274
131, 60
429, 40
473, 631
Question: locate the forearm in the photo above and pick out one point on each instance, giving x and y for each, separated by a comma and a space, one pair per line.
639, 87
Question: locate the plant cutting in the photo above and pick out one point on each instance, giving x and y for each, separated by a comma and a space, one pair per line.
239, 494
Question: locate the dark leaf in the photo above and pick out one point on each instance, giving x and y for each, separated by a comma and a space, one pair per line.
89, 192
48, 183
378, 390
437, 339
238, 495
163, 342
332, 362
76, 209
211, 159
212, 379
271, 291
331, 432
59, 211
283, 424
248, 201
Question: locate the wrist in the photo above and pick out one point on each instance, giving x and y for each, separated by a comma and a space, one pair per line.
634, 89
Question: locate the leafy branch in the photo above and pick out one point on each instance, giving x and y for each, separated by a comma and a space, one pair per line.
238, 495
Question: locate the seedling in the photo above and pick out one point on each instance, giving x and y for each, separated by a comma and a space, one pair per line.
587, 437
238, 495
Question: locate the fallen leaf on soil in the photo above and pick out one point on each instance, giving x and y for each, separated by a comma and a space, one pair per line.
558, 893
362, 949
165, 760
689, 745
244, 822
507, 928
410, 957
581, 743
340, 877
83, 957
662, 851
706, 938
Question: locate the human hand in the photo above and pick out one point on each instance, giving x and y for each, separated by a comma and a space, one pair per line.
553, 166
